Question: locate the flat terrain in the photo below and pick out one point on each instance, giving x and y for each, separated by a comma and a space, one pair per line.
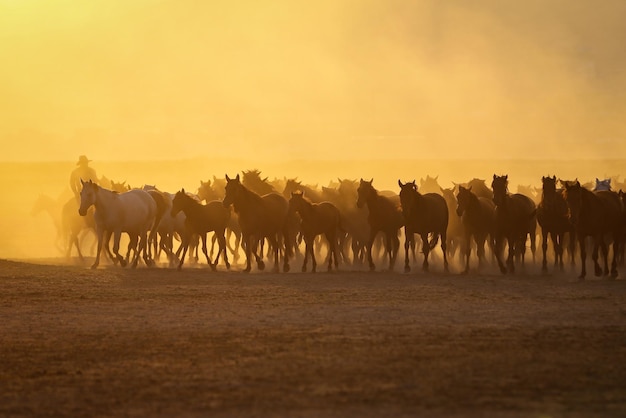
157, 342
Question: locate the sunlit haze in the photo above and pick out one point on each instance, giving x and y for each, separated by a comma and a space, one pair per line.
317, 90
145, 79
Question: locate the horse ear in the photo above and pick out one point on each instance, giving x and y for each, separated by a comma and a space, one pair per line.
227, 178
399, 183
577, 183
436, 177
82, 182
237, 178
543, 178
494, 176
371, 180
554, 178
182, 190
506, 176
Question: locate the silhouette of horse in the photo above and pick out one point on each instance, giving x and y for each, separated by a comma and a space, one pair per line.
132, 212
253, 181
515, 218
602, 185
456, 229
479, 188
423, 214
430, 185
209, 192
201, 219
552, 217
354, 219
478, 216
293, 186
595, 214
384, 216
317, 219
529, 191
53, 208
260, 217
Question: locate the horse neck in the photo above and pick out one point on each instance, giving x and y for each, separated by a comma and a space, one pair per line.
306, 209
191, 207
473, 204
248, 200
103, 198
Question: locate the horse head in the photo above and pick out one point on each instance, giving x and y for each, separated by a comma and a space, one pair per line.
88, 195
463, 197
233, 189
364, 192
500, 185
407, 194
548, 185
574, 197
602, 185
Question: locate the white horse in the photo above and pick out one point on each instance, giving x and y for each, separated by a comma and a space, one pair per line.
133, 212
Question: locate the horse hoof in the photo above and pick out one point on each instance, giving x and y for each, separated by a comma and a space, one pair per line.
227, 266
123, 263
246, 270
94, 266
613, 274
303, 269
407, 269
503, 270
286, 268
261, 265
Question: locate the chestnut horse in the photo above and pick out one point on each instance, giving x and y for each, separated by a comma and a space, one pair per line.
595, 214
200, 219
317, 219
552, 217
423, 214
515, 219
477, 214
260, 217
384, 216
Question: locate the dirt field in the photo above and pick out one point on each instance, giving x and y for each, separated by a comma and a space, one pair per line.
157, 342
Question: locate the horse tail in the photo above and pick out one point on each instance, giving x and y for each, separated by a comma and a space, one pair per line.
161, 207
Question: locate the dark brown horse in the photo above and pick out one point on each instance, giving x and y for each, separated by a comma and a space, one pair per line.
595, 214
456, 229
552, 217
478, 215
201, 219
317, 219
260, 217
384, 216
423, 214
515, 219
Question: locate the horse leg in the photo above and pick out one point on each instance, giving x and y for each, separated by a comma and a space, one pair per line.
605, 254
616, 251
499, 250
395, 242
510, 260
444, 249
309, 242
425, 250
480, 248
595, 253
205, 252
468, 251
583, 256
184, 245
544, 249
222, 248
408, 236
370, 243
100, 234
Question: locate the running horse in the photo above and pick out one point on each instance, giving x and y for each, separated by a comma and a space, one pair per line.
317, 219
423, 214
133, 212
552, 217
384, 216
477, 214
515, 219
260, 217
201, 219
595, 214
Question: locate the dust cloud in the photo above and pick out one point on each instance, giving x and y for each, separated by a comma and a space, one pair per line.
325, 80
174, 92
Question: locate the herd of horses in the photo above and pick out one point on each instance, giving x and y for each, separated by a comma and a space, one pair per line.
353, 221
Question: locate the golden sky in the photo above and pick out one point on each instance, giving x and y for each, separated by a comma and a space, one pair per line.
149, 79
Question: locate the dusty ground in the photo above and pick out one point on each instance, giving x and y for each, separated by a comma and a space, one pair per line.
157, 342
